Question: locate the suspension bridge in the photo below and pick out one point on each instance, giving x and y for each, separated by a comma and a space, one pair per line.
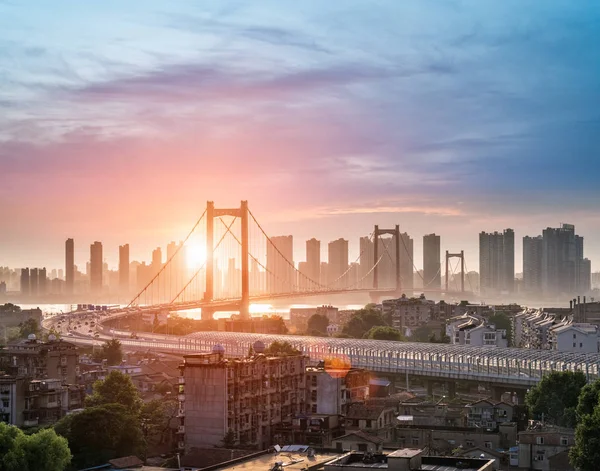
238, 263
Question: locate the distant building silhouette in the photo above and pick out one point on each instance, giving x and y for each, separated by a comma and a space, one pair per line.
156, 260
276, 264
337, 261
124, 268
313, 260
95, 269
25, 281
406, 262
365, 272
564, 270
42, 281
432, 266
33, 282
70, 265
497, 261
533, 248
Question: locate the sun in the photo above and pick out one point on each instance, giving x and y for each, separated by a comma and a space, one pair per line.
195, 256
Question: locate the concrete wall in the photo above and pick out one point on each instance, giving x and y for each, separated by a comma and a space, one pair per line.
351, 443
328, 394
205, 406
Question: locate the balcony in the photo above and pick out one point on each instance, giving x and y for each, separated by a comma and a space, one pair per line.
181, 380
181, 397
181, 444
181, 413
30, 423
181, 429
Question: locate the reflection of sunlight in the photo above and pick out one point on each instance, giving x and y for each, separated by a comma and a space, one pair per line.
259, 308
196, 256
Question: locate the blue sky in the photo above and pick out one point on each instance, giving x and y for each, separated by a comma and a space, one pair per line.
441, 116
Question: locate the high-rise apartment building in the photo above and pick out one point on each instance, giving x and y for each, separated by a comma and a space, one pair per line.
156, 260
365, 273
25, 281
281, 277
406, 262
497, 261
338, 263
96, 267
33, 282
70, 265
432, 266
564, 270
42, 281
532, 264
313, 260
124, 268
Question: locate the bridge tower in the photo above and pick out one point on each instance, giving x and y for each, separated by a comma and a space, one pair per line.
242, 213
460, 255
396, 235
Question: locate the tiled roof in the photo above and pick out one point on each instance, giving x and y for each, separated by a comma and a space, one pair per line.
364, 411
362, 436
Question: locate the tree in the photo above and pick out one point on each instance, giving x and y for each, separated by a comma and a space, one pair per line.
589, 398
317, 325
585, 454
42, 450
28, 327
111, 352
362, 321
101, 433
502, 322
556, 397
155, 419
280, 349
384, 333
229, 439
116, 388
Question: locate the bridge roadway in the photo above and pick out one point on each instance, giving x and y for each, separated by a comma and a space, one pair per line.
500, 366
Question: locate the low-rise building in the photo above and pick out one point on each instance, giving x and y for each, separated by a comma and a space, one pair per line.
358, 441
426, 413
473, 330
375, 419
541, 443
408, 313
578, 337
488, 414
329, 392
406, 459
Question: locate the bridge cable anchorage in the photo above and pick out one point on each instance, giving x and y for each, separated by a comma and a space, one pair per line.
258, 261
283, 256
203, 265
168, 261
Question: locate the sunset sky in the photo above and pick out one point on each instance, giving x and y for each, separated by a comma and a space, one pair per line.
118, 120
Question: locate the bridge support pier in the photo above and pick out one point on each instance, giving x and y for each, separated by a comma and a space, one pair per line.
207, 313
451, 389
497, 392
520, 393
429, 384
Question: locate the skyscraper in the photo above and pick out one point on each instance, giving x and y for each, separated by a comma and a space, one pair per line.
42, 278
156, 260
432, 266
406, 262
280, 274
70, 265
365, 272
33, 282
564, 270
124, 268
532, 264
497, 261
25, 281
313, 260
96, 267
338, 263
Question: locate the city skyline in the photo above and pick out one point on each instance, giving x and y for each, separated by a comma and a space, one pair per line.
440, 134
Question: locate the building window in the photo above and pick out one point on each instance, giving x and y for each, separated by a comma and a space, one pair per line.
415, 441
539, 440
470, 443
574, 344
580, 344
488, 444
564, 441
574, 336
4, 403
362, 447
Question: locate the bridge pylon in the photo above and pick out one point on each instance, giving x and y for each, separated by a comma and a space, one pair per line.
396, 235
242, 214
